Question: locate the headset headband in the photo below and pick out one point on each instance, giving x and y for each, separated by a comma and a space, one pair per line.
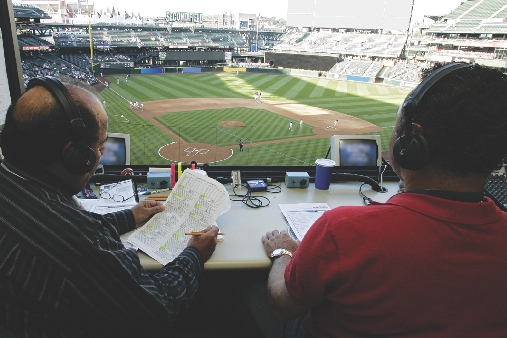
65, 101
413, 99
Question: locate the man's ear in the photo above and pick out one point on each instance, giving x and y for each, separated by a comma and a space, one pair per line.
66, 147
417, 127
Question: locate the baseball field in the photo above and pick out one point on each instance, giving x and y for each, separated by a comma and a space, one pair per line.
202, 117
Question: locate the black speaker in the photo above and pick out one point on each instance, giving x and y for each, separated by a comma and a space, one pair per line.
79, 158
412, 150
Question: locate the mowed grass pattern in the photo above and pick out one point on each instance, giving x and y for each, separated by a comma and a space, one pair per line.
202, 126
377, 104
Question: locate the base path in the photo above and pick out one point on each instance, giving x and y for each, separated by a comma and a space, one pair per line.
320, 119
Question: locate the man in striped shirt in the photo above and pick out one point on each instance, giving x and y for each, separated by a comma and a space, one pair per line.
64, 271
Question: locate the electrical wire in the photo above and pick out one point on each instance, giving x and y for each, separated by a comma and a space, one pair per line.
382, 169
274, 189
366, 199
250, 200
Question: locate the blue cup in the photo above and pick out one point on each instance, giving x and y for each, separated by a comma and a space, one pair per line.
323, 173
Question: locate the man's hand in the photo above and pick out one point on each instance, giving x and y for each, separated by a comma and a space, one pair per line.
282, 304
145, 210
278, 240
205, 243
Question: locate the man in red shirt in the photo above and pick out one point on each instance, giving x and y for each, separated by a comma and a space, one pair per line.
430, 262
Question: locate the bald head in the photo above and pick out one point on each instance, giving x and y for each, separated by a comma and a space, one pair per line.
37, 128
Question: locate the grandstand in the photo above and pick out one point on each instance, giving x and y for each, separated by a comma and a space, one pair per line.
473, 17
329, 43
475, 31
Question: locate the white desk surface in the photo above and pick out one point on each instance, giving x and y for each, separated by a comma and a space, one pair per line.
243, 226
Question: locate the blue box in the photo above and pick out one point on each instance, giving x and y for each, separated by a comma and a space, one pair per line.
159, 180
297, 179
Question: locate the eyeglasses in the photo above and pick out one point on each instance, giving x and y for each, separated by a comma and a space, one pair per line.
115, 197
117, 192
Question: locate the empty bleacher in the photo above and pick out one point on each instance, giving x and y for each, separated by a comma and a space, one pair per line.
405, 72
484, 9
473, 16
384, 45
460, 10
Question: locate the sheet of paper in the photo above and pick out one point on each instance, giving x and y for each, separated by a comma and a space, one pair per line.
195, 202
301, 216
102, 206
121, 192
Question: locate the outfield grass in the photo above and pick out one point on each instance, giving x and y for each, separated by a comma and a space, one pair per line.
374, 103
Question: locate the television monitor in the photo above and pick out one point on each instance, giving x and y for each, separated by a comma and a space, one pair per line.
117, 150
356, 150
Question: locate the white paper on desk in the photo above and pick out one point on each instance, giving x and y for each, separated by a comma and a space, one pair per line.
102, 206
121, 191
195, 202
301, 216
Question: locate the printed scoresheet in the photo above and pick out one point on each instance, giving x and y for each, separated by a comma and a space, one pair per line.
195, 202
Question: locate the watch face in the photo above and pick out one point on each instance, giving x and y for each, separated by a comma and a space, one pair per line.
276, 252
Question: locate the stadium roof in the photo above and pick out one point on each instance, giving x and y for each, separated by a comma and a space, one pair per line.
28, 12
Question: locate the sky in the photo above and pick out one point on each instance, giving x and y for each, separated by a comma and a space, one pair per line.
267, 8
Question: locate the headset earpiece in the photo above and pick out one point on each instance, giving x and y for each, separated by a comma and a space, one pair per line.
79, 158
412, 150
415, 155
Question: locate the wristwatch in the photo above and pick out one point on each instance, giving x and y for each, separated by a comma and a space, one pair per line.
279, 252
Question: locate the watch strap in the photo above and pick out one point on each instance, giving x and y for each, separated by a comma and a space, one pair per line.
279, 253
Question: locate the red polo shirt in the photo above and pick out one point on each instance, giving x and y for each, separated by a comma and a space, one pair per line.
416, 266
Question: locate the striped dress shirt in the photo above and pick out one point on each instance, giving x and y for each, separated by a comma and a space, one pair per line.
65, 273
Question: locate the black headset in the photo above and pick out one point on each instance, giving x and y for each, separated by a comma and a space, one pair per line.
412, 150
79, 158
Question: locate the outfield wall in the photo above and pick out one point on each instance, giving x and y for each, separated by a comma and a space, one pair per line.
273, 71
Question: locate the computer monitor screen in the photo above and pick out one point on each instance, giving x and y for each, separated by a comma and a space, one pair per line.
117, 150
356, 150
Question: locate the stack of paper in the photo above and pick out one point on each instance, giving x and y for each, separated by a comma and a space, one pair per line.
301, 216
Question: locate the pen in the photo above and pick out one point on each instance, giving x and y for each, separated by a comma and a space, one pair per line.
198, 233
156, 198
